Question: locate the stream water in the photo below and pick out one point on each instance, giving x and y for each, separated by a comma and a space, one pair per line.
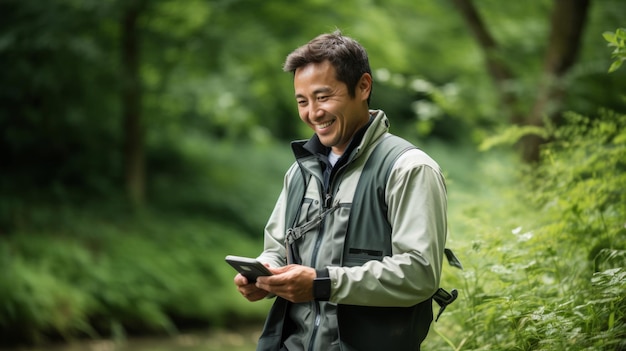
214, 340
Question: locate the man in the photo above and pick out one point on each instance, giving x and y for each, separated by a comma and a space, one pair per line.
356, 239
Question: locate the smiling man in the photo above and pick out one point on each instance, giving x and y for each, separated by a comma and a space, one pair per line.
356, 239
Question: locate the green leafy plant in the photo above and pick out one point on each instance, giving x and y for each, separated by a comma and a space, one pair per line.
547, 270
616, 40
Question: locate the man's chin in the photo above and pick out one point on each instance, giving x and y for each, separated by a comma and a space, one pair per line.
325, 140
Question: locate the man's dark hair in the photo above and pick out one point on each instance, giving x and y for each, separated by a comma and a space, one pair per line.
345, 54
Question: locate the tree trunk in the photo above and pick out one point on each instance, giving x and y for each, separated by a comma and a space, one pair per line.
567, 23
134, 171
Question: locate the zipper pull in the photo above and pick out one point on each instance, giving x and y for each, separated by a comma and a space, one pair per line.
328, 200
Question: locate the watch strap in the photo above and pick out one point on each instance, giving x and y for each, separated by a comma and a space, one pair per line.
321, 285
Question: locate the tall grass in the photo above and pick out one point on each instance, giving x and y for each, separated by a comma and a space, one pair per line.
545, 265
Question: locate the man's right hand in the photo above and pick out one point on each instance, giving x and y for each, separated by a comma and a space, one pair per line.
248, 290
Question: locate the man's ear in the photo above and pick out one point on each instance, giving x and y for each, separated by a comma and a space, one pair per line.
364, 87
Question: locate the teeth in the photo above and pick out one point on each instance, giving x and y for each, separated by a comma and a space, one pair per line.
324, 125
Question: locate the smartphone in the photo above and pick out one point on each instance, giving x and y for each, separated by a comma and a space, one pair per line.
248, 267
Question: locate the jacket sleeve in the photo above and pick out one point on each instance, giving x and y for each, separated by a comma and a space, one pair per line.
417, 206
274, 235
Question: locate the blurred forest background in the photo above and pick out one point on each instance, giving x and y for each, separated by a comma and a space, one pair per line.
143, 140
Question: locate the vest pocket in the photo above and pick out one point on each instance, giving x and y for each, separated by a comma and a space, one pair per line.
358, 256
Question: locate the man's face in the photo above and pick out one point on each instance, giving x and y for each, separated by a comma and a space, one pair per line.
325, 105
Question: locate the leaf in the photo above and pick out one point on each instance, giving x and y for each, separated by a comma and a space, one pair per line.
610, 37
511, 135
615, 65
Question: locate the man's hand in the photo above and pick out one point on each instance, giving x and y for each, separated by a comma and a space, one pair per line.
248, 290
293, 282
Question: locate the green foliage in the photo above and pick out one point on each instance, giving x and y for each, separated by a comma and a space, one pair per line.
235, 184
75, 261
94, 268
548, 270
213, 70
511, 135
616, 40
57, 52
150, 273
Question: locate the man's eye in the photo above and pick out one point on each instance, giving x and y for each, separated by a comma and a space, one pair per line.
301, 102
322, 98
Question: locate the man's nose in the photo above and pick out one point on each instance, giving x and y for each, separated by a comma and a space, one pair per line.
314, 110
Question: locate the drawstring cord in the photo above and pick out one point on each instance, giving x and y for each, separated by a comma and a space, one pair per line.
294, 234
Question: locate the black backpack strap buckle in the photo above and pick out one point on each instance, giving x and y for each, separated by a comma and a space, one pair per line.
443, 298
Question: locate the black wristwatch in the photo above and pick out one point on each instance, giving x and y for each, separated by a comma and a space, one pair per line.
321, 285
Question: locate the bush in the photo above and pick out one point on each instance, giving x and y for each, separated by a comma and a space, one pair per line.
550, 275
150, 275
78, 265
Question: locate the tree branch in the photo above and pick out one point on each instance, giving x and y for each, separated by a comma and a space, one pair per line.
497, 69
